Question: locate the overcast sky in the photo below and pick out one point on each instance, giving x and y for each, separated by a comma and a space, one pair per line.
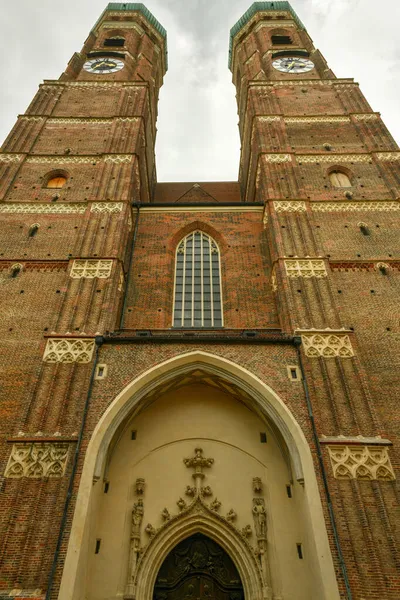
197, 126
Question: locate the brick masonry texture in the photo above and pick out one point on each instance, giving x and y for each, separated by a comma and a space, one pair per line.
355, 396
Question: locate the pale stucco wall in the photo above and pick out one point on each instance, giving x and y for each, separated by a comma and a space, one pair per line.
168, 431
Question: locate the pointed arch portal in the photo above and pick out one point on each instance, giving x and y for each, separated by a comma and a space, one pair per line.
198, 568
129, 402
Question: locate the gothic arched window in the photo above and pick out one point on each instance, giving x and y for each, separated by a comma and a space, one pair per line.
197, 294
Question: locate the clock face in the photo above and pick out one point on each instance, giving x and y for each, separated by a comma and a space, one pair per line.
103, 65
293, 64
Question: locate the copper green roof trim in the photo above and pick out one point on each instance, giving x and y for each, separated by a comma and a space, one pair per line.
138, 7
255, 8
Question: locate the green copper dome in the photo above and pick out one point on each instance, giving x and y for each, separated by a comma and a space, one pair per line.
138, 7
255, 8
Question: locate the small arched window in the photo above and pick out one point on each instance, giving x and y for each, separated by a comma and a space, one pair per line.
339, 179
197, 294
56, 182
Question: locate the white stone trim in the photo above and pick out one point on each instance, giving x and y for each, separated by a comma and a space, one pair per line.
68, 350
354, 206
290, 206
44, 209
278, 158
7, 158
106, 207
334, 158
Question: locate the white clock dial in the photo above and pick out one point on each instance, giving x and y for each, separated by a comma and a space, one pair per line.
293, 64
103, 64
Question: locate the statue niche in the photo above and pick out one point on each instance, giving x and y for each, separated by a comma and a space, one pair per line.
198, 569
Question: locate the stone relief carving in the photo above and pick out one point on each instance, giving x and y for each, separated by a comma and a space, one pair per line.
327, 345
68, 350
45, 209
106, 207
306, 268
257, 485
247, 531
200, 508
361, 462
231, 516
190, 490
181, 504
89, 269
165, 514
215, 505
149, 529
139, 486
274, 283
37, 459
317, 119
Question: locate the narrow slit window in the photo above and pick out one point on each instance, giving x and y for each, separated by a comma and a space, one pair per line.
198, 294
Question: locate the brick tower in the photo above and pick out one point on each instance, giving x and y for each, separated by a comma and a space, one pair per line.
200, 389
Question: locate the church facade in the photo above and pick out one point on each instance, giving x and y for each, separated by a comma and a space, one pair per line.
200, 381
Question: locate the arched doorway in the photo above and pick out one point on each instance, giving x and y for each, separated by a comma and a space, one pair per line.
198, 569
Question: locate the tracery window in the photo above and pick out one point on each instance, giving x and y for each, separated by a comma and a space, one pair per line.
197, 294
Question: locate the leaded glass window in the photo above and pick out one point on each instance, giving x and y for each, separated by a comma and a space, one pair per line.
197, 294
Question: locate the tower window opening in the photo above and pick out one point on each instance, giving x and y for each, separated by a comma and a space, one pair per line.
16, 270
339, 179
289, 491
33, 229
299, 551
98, 544
114, 42
263, 437
197, 293
56, 182
281, 40
364, 229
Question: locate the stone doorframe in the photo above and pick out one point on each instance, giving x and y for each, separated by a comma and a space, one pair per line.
129, 401
199, 518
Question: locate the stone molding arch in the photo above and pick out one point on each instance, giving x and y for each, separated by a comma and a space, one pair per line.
199, 518
129, 401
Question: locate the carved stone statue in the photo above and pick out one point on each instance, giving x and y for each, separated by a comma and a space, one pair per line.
257, 485
139, 486
137, 517
260, 517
